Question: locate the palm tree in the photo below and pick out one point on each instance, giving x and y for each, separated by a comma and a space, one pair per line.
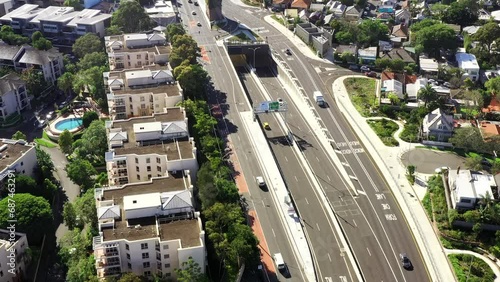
427, 94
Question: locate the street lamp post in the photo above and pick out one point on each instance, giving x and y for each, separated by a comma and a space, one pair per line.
254, 49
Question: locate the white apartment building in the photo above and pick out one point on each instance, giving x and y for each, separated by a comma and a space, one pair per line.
13, 256
468, 63
13, 95
16, 156
148, 228
59, 24
130, 51
141, 92
145, 147
469, 187
49, 62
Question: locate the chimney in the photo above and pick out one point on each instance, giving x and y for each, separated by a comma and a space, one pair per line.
458, 169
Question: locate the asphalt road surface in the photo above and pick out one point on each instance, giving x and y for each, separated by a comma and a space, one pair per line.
426, 161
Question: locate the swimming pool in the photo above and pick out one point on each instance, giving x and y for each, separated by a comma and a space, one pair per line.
69, 124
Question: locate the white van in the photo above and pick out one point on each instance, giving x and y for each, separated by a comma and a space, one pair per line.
280, 263
260, 181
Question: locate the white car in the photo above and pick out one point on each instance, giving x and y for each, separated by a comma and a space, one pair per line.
41, 123
280, 101
193, 13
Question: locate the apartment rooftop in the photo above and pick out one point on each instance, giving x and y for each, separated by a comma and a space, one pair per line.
27, 11
153, 80
137, 42
188, 231
38, 57
10, 82
11, 150
53, 12
88, 17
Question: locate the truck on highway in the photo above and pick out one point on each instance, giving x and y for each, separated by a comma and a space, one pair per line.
319, 99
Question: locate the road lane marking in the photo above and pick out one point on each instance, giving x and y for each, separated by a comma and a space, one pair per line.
317, 159
369, 252
354, 223
361, 192
317, 226
296, 178
328, 177
286, 159
306, 201
246, 156
274, 234
330, 258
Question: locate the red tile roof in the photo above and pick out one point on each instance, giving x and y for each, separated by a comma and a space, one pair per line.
494, 106
301, 4
489, 129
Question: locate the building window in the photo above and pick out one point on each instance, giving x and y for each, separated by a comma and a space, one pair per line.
165, 247
149, 176
129, 265
145, 255
131, 107
148, 168
127, 247
139, 57
128, 256
137, 168
166, 256
143, 106
168, 274
22, 163
142, 99
167, 265
157, 105
144, 246
136, 160
158, 160
130, 100
147, 273
158, 168
148, 160
138, 177
146, 264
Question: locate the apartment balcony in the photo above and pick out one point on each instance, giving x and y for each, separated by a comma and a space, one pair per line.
103, 263
122, 165
103, 272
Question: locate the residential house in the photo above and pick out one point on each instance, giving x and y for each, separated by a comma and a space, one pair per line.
13, 248
16, 156
328, 19
468, 188
493, 107
163, 12
352, 13
141, 92
384, 17
281, 4
490, 130
402, 16
428, 66
484, 15
5, 7
320, 38
317, 7
345, 49
396, 83
367, 55
412, 89
129, 51
144, 147
468, 63
13, 95
471, 30
437, 125
149, 228
60, 24
399, 34
397, 54
301, 4
49, 62
337, 8
315, 16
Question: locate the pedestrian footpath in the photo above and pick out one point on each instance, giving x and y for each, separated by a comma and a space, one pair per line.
279, 194
388, 161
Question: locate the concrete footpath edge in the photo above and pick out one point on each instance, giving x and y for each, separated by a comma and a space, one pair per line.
416, 217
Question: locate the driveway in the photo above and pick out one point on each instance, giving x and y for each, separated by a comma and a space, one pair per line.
426, 160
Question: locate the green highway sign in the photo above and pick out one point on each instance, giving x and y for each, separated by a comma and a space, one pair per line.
274, 106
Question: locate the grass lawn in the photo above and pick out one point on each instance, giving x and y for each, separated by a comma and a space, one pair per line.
470, 268
385, 131
278, 19
45, 141
362, 93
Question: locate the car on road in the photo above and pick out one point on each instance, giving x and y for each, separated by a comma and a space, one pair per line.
198, 24
280, 101
266, 126
365, 69
288, 52
190, 1
193, 13
371, 74
405, 261
260, 182
196, 3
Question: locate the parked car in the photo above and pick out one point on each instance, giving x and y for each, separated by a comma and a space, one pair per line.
405, 261
260, 182
365, 68
371, 74
353, 67
198, 24
50, 115
193, 13
447, 84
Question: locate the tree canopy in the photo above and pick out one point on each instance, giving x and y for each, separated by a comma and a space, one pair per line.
19, 136
487, 35
33, 215
463, 13
65, 82
65, 141
433, 38
192, 79
87, 44
93, 59
173, 30
131, 17
367, 33
73, 3
35, 81
8, 35
89, 117
493, 85
184, 50
40, 42
190, 271
93, 144
81, 172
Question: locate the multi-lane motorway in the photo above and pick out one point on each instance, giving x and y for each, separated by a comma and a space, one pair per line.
374, 225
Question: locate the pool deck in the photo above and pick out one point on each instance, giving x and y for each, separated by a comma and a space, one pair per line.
54, 133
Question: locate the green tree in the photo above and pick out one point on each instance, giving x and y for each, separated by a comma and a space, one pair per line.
83, 270
184, 51
383, 63
493, 85
427, 94
463, 13
173, 30
495, 168
87, 44
93, 144
90, 79
85, 208
35, 82
69, 215
438, 10
73, 3
469, 139
42, 43
81, 172
26, 184
394, 98
432, 39
65, 82
410, 173
192, 79
474, 163
65, 141
131, 17
89, 117
45, 165
190, 271
49, 189
93, 59
371, 31
487, 34
132, 277
33, 215
474, 102
398, 65
113, 30
8, 36
19, 136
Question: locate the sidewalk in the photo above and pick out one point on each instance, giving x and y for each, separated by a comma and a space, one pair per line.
388, 161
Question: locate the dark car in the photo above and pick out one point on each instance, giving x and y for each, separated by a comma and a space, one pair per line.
353, 67
371, 74
288, 52
405, 261
196, 4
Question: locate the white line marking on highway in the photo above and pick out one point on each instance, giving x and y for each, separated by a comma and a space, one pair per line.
317, 159
317, 226
352, 177
369, 252
298, 128
354, 223
239, 139
328, 178
286, 159
361, 192
306, 201
296, 179
274, 234
246, 156
345, 164
329, 257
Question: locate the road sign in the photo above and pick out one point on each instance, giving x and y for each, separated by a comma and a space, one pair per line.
274, 106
